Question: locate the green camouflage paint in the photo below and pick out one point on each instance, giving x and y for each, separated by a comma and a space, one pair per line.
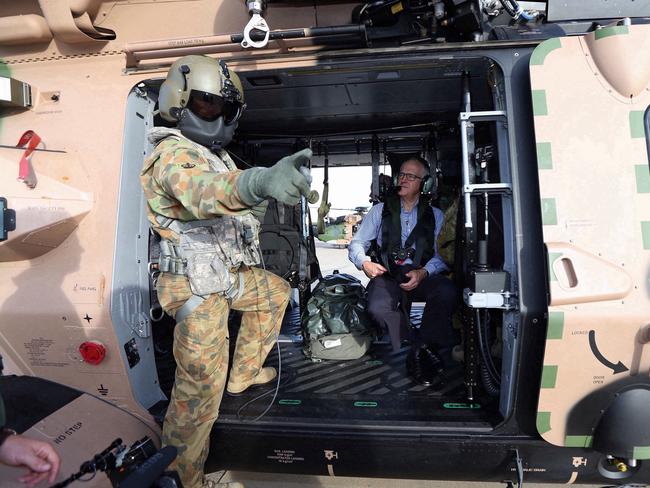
578, 441
645, 235
549, 376
642, 452
549, 211
642, 174
539, 102
552, 257
636, 124
539, 54
618, 30
544, 155
555, 325
543, 422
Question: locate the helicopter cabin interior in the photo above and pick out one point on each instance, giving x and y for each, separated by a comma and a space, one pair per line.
451, 110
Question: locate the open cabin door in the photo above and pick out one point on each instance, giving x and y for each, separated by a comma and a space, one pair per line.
590, 101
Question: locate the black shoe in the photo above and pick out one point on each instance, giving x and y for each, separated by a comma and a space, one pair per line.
434, 367
433, 361
425, 367
415, 367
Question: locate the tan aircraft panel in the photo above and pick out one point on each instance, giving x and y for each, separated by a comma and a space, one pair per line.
78, 431
51, 210
57, 265
52, 29
589, 96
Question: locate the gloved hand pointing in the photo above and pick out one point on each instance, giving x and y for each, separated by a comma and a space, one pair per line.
283, 181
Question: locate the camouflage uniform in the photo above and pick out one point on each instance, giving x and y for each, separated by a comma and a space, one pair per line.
181, 183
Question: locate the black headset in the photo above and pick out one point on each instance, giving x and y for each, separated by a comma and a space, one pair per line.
426, 183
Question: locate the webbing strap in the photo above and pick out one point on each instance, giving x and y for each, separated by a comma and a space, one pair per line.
422, 234
240, 291
188, 307
170, 260
180, 226
29, 140
195, 300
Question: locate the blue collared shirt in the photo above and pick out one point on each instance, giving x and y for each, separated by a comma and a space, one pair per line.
371, 229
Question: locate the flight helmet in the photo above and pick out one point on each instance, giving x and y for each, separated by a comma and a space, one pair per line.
204, 98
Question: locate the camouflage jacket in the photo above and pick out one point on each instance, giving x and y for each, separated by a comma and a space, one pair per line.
183, 180
192, 202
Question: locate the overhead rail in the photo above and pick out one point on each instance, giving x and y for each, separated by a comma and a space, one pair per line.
137, 52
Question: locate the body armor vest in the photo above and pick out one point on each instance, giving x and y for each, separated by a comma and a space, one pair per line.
209, 252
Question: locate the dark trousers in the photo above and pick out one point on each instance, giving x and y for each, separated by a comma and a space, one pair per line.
385, 307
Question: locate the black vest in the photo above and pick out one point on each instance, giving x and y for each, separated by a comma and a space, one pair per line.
422, 235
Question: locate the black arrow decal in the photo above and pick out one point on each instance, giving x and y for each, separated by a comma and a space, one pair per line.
616, 368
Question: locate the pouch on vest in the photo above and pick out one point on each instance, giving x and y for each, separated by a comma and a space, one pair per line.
206, 269
335, 322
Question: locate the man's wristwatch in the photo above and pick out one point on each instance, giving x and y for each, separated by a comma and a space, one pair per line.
4, 433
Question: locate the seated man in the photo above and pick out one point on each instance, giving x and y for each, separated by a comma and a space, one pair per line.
406, 229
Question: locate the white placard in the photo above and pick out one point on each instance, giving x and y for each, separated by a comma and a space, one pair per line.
5, 89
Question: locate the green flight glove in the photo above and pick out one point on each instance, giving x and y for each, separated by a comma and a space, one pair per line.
283, 181
259, 210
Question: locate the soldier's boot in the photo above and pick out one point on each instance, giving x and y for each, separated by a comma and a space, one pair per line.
264, 376
216, 484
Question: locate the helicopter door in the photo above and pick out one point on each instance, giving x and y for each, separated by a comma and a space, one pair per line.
590, 101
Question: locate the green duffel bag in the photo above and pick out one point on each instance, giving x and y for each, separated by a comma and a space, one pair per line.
335, 322
339, 346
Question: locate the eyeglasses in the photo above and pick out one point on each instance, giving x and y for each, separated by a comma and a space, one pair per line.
408, 176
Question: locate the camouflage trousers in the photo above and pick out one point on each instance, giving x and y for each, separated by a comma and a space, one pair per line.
201, 353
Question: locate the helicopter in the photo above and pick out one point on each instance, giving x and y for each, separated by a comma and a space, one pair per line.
534, 117
340, 230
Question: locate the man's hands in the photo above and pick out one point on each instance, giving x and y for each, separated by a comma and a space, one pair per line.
415, 278
37, 456
283, 181
372, 270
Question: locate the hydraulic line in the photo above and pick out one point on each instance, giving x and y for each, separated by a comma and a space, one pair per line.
484, 350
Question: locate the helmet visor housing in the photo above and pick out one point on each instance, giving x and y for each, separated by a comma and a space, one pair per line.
210, 107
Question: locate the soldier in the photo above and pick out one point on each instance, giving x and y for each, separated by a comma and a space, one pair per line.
205, 212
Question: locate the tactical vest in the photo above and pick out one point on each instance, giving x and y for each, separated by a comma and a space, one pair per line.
209, 252
391, 232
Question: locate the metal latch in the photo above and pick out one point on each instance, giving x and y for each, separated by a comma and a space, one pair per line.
14, 93
256, 26
7, 219
519, 468
504, 300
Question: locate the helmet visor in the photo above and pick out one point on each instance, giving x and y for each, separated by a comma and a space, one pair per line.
210, 107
